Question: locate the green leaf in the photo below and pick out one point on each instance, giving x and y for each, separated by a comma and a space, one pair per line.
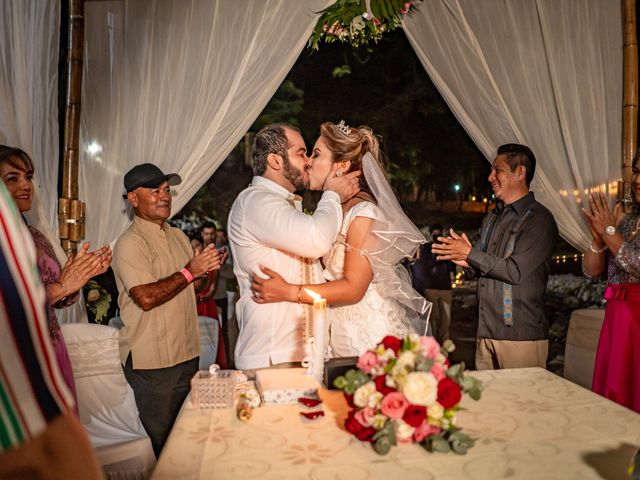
439, 444
387, 431
454, 371
448, 346
425, 365
102, 307
340, 382
341, 71
460, 442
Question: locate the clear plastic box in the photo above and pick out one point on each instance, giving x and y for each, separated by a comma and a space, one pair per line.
213, 390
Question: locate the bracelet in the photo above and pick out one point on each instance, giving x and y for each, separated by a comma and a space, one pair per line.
64, 290
594, 250
300, 294
187, 274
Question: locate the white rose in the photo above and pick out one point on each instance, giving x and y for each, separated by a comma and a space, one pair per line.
93, 295
362, 394
435, 411
375, 399
405, 363
420, 388
404, 431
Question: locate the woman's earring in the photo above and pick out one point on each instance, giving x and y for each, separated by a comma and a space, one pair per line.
338, 173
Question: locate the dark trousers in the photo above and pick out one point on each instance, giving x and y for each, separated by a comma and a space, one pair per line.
223, 305
159, 395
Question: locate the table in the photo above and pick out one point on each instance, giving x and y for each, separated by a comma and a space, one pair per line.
529, 424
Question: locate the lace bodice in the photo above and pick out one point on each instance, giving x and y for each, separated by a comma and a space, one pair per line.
358, 327
625, 266
334, 259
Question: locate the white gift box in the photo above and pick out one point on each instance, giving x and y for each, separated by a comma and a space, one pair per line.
284, 386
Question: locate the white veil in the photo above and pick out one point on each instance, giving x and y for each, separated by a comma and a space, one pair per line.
390, 241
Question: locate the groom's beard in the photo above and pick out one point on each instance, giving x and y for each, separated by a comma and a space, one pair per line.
295, 176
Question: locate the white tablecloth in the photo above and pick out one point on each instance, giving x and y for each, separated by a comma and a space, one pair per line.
529, 424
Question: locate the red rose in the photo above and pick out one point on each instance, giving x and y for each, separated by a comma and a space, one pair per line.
449, 393
366, 434
414, 415
353, 426
381, 387
394, 343
349, 399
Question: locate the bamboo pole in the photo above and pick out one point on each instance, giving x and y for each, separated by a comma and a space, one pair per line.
70, 209
630, 89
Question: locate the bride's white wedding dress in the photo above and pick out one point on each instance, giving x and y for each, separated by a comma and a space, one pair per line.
358, 327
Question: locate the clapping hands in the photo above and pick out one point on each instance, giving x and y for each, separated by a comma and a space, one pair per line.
206, 260
601, 216
83, 266
455, 248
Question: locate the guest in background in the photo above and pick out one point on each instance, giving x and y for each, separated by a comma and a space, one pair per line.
206, 304
155, 267
62, 285
432, 278
226, 276
40, 436
616, 237
512, 262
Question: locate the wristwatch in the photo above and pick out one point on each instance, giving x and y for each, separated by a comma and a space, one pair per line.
610, 230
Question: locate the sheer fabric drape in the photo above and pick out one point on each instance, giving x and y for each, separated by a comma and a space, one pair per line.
29, 45
176, 83
544, 73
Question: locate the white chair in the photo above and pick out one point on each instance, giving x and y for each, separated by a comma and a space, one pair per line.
106, 403
582, 342
209, 329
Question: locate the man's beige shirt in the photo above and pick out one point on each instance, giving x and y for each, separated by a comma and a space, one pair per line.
168, 334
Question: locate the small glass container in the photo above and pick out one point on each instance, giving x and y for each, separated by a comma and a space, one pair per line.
213, 389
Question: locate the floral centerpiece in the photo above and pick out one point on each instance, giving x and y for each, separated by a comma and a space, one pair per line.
405, 391
98, 300
359, 22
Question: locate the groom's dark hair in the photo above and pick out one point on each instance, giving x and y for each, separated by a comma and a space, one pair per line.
271, 139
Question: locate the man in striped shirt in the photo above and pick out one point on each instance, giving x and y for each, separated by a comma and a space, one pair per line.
40, 436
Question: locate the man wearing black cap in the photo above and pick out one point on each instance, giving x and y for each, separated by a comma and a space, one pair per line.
155, 267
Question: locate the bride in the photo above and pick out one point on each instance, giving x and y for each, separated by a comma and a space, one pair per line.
367, 287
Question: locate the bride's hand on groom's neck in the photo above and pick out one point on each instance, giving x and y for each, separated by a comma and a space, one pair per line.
346, 186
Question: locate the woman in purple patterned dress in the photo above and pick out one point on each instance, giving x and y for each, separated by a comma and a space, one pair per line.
62, 284
617, 367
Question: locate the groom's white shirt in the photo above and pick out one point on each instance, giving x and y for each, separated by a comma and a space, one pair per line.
267, 227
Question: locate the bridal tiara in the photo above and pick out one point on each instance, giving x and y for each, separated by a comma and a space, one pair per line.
344, 128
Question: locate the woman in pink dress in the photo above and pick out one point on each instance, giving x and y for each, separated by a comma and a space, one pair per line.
616, 248
61, 284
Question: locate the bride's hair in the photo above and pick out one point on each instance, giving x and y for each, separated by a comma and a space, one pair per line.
350, 144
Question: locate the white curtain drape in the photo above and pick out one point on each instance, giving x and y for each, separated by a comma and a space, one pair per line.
545, 73
176, 83
29, 45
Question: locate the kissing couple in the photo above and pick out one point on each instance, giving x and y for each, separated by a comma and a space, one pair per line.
349, 251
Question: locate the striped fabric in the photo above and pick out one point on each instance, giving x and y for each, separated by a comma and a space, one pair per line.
32, 390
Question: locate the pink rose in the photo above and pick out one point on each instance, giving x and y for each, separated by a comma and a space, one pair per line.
364, 416
424, 430
431, 347
394, 405
367, 361
438, 370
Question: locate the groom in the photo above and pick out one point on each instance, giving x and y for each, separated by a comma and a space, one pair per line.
267, 227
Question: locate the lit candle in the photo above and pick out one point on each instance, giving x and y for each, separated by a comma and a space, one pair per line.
319, 333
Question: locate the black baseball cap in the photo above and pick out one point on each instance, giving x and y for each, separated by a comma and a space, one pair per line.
148, 175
